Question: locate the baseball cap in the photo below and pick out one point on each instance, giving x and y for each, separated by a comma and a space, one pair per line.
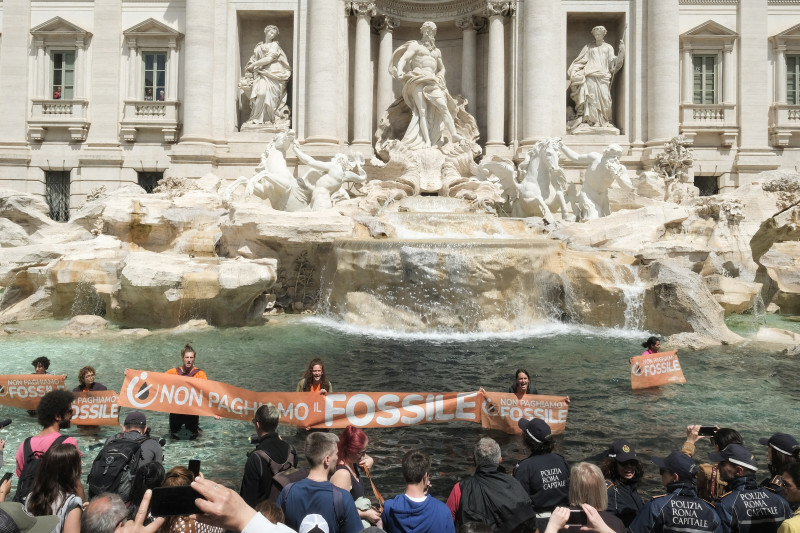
14, 519
135, 418
677, 462
621, 451
736, 454
535, 428
782, 442
313, 523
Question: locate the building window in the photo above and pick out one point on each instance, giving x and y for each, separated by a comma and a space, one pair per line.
705, 79
56, 193
708, 185
149, 180
793, 79
155, 75
63, 78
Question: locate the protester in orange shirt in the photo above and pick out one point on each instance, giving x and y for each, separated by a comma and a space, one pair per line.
315, 379
192, 422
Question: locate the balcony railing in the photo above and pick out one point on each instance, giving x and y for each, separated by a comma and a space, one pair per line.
150, 115
48, 114
784, 121
710, 118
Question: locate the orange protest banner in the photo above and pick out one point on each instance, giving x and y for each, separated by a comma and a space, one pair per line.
168, 393
656, 369
25, 390
503, 410
96, 409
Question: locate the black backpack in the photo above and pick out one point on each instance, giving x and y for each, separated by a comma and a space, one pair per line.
114, 468
282, 473
29, 468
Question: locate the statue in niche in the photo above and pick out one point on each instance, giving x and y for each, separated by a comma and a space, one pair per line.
590, 77
427, 115
603, 170
264, 82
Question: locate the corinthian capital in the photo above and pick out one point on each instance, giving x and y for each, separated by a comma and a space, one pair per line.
471, 22
361, 8
502, 8
384, 23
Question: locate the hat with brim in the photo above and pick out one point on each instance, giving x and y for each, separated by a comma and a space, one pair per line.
24, 522
621, 451
782, 442
735, 454
677, 462
535, 428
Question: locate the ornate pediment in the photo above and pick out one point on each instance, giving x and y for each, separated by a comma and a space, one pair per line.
434, 10
151, 32
59, 30
710, 33
790, 37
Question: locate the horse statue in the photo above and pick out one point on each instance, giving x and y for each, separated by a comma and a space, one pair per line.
273, 180
538, 183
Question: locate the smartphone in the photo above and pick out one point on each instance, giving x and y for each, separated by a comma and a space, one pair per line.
171, 501
577, 517
707, 431
6, 477
194, 466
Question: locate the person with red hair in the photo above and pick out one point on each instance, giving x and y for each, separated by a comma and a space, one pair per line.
352, 455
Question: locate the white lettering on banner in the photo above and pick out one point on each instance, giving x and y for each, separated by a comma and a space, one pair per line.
30, 391
408, 405
292, 411
551, 416
386, 411
181, 395
462, 404
235, 405
385, 405
95, 411
350, 411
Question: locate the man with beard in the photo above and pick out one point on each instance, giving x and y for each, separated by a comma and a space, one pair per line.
54, 413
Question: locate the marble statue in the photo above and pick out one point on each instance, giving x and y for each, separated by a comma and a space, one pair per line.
272, 179
326, 179
590, 76
603, 170
264, 82
537, 184
419, 65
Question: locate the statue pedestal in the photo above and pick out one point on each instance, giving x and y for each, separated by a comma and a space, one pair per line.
273, 127
584, 129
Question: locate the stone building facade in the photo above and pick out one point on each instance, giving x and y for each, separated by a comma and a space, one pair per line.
124, 91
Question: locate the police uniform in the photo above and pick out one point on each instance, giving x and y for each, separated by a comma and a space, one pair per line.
748, 508
545, 478
681, 510
624, 501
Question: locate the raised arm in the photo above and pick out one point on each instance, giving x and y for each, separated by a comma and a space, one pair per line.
308, 160
571, 154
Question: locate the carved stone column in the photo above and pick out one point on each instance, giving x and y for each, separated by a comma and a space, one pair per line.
728, 70
469, 31
496, 90
323, 102
198, 93
134, 64
541, 50
663, 87
363, 10
780, 72
384, 26
688, 74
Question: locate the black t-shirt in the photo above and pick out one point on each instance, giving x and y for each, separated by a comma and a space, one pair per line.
546, 479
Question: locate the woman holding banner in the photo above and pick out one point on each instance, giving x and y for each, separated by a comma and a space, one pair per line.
87, 382
522, 383
651, 345
315, 379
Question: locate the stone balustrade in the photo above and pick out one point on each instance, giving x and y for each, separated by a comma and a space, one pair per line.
48, 114
150, 115
784, 121
710, 118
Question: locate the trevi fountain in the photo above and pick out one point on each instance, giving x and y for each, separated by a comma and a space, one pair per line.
425, 265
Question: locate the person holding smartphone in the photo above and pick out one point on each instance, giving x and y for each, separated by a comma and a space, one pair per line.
587, 499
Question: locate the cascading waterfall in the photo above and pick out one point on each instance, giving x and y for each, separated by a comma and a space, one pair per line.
87, 301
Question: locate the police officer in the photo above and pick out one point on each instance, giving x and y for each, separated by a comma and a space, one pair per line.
680, 509
623, 471
782, 450
747, 508
544, 475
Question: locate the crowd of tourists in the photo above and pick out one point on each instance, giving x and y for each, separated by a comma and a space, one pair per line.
329, 489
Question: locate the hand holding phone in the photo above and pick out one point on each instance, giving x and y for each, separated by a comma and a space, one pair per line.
194, 466
577, 517
707, 431
174, 501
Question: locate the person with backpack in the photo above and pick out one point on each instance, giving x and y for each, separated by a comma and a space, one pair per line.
53, 491
273, 455
115, 467
54, 413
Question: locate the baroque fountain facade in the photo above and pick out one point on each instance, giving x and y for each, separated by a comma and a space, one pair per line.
438, 183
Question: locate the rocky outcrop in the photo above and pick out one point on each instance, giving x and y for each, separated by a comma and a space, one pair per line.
85, 325
734, 295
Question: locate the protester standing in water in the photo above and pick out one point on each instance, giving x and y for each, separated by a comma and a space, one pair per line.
651, 346
522, 383
315, 379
